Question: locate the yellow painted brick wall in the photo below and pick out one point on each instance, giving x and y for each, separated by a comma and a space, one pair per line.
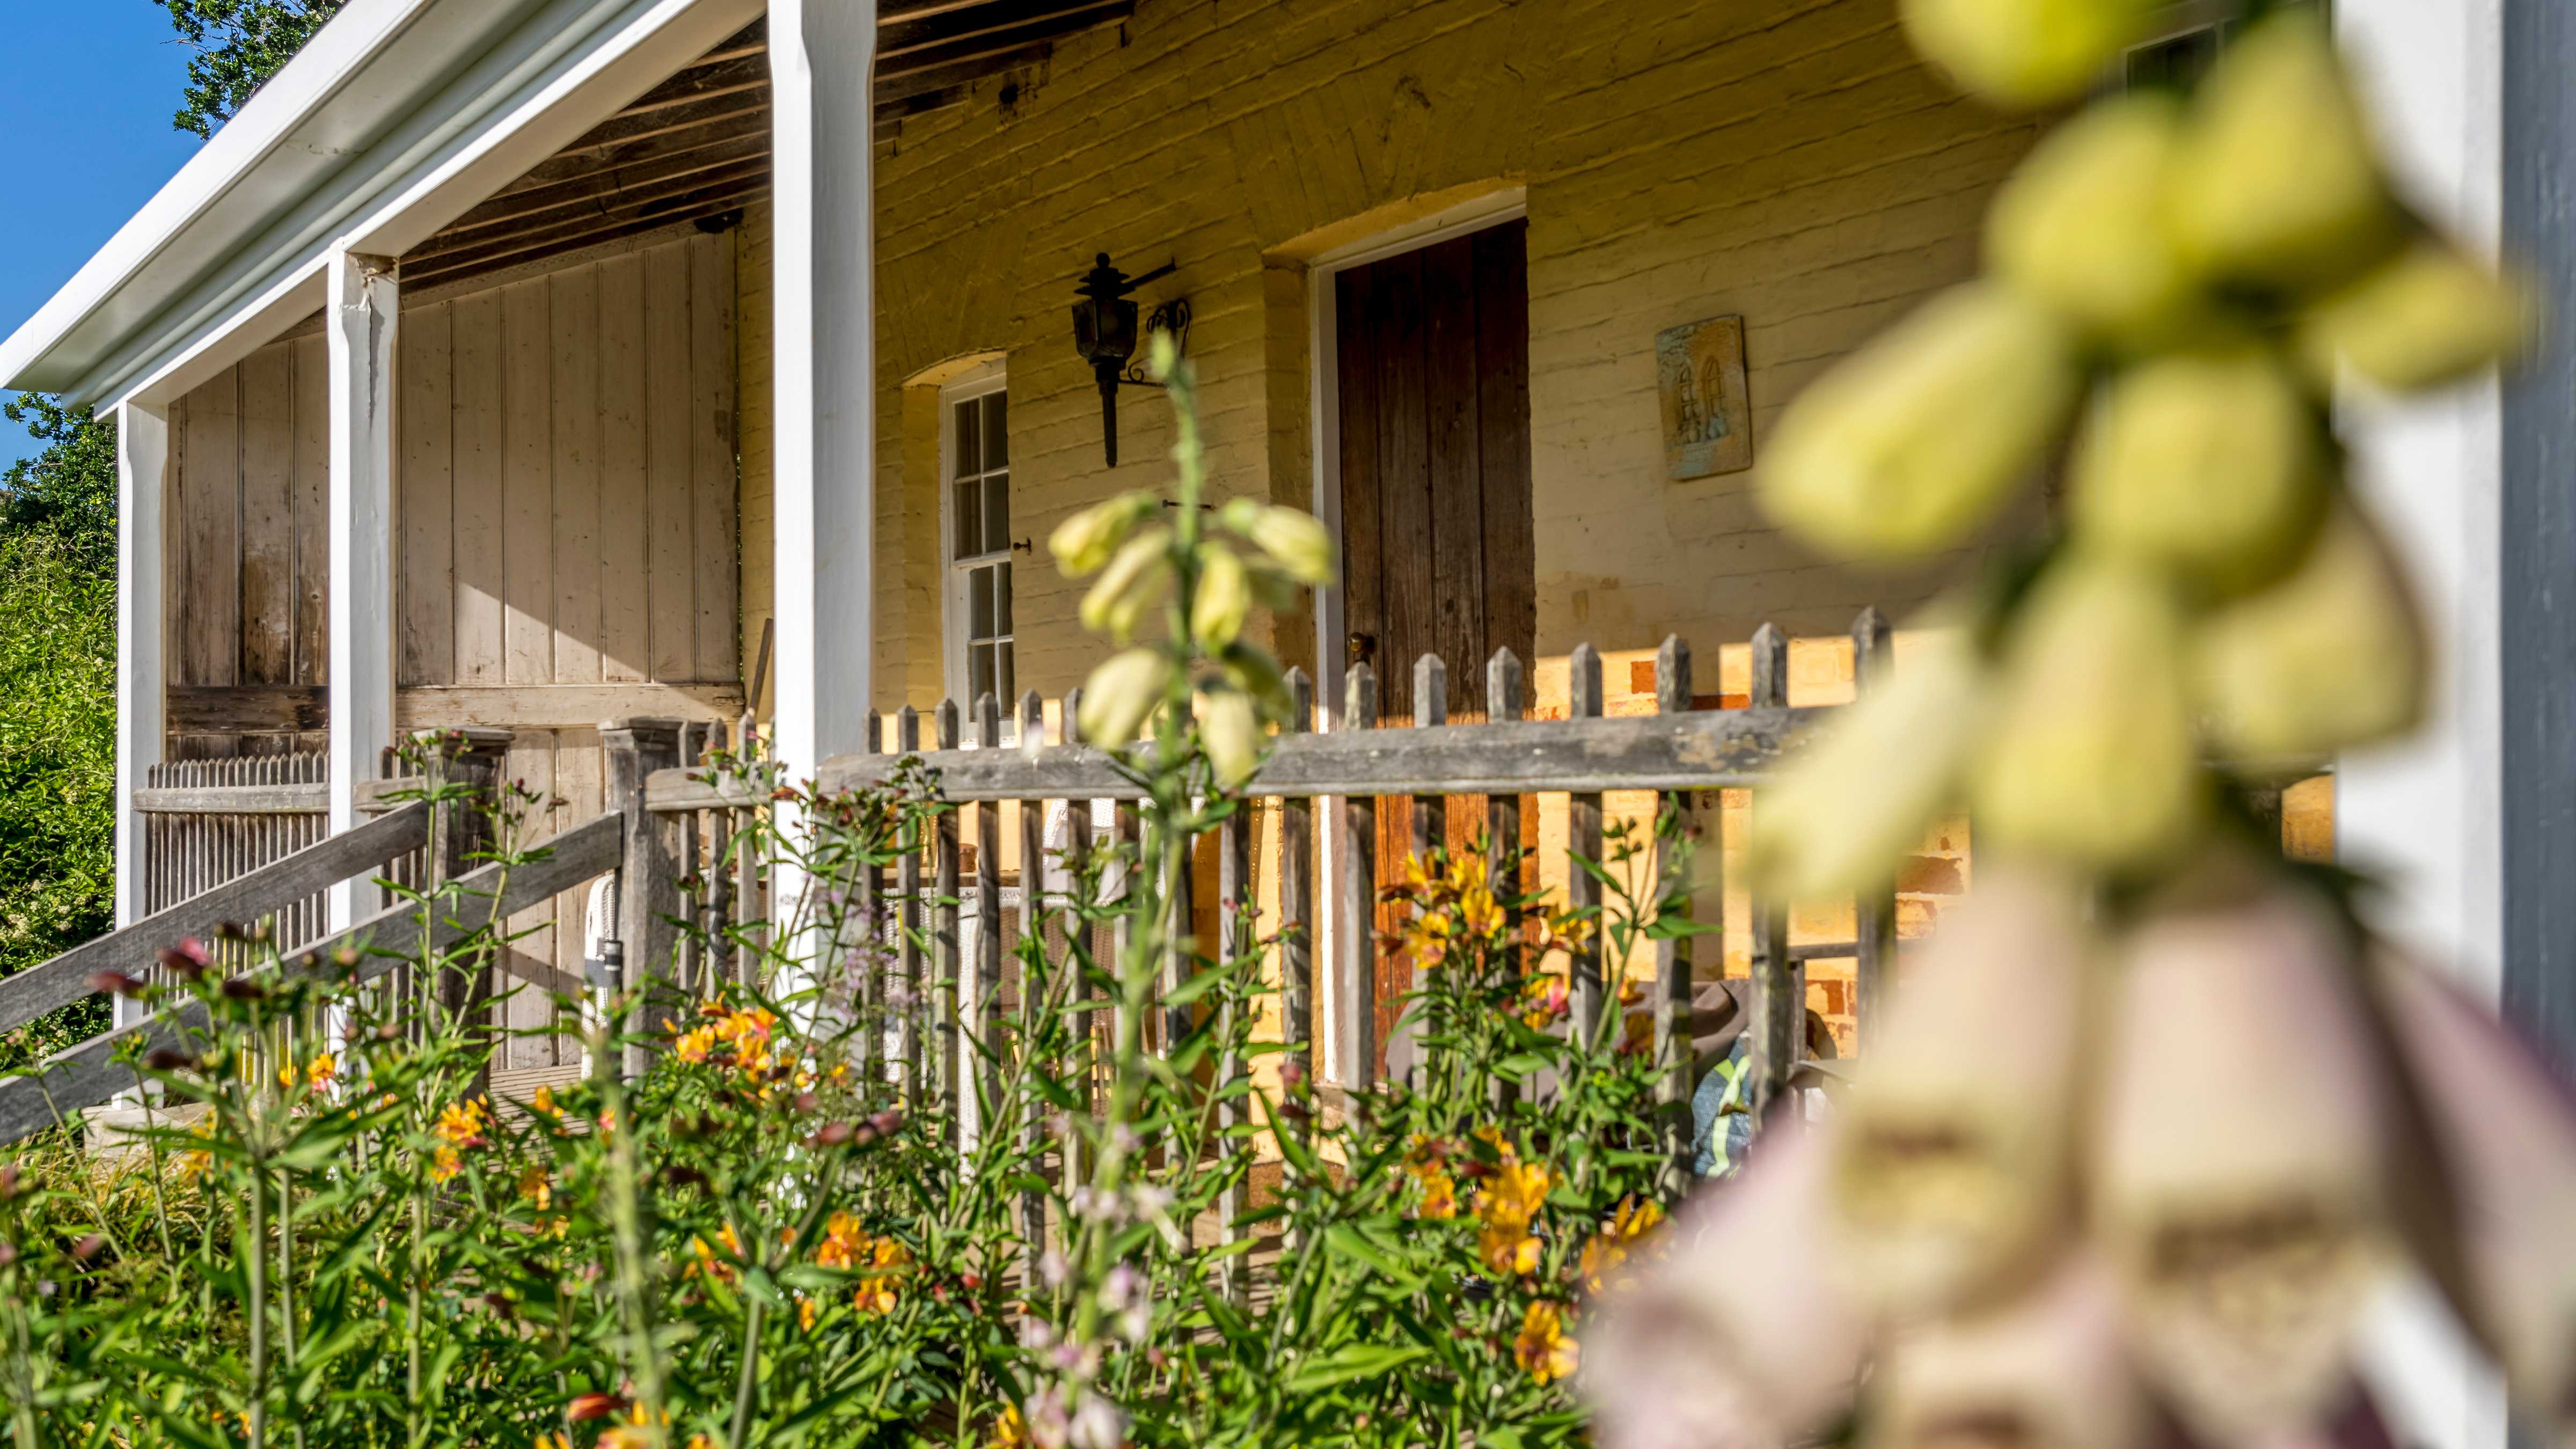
1782, 159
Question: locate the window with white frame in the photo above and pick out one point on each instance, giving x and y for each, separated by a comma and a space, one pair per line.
976, 460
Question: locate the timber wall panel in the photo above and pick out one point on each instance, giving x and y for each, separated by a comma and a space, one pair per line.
1785, 160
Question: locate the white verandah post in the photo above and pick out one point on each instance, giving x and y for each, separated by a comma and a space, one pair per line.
142, 463
822, 58
360, 317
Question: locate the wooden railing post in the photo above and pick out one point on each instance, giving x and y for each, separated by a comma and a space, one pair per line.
1779, 1024
648, 886
469, 762
946, 960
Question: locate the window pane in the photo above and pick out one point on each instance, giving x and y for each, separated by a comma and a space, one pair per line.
997, 432
979, 604
1002, 599
968, 535
970, 437
1009, 688
979, 675
997, 513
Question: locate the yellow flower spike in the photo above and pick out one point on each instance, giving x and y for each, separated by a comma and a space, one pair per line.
2092, 758
1230, 729
2209, 464
2276, 182
1542, 1348
2429, 316
1913, 443
1135, 581
2328, 659
1120, 694
1222, 600
2080, 227
2024, 53
1087, 540
1852, 805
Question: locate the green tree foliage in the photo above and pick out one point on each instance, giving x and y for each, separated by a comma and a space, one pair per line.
57, 702
239, 44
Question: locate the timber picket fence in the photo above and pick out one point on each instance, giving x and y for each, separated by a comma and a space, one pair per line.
692, 903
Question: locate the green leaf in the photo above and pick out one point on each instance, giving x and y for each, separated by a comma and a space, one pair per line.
1348, 1363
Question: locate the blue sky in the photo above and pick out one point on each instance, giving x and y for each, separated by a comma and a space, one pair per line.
86, 92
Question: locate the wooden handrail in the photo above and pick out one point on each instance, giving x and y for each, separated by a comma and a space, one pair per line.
1701, 750
65, 979
86, 1075
309, 798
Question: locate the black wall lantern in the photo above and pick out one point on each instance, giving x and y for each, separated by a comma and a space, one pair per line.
1104, 332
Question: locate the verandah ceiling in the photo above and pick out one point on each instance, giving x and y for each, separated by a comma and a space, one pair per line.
696, 147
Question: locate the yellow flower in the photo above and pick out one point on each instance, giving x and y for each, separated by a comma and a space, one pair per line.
2080, 229
1134, 582
460, 1127
2328, 659
1120, 694
806, 1312
538, 1188
1543, 1348
2024, 53
1230, 729
2276, 181
1292, 537
1505, 1208
1010, 1431
1085, 541
544, 1101
888, 1261
1610, 1247
843, 1243
2431, 315
1223, 599
1912, 444
1439, 1194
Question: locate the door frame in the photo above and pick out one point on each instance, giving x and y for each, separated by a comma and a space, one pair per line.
1498, 207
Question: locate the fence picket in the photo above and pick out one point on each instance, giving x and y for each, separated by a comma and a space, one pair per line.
1583, 838
911, 922
946, 956
1779, 1023
1357, 1011
1297, 896
1234, 904
1673, 953
1874, 913
1033, 910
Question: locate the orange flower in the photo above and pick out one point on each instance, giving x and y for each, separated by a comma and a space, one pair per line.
1505, 1208
1543, 1347
1010, 1431
843, 1244
1439, 1194
1610, 1247
460, 1128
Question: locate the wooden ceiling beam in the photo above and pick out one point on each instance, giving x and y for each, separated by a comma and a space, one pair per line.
428, 277
624, 130
896, 41
1008, 40
961, 73
568, 166
572, 236
585, 213
749, 73
603, 188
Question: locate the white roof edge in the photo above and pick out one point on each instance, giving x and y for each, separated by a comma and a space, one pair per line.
353, 79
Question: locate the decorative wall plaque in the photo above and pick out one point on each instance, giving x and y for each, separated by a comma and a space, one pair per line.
1708, 419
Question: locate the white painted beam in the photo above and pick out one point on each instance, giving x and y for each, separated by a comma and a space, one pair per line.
142, 475
822, 55
2426, 815
359, 323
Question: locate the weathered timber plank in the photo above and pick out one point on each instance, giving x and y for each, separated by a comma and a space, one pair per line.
65, 979
247, 708
1704, 750
233, 799
88, 1074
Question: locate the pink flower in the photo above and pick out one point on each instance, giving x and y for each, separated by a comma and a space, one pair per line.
2238, 1181
2049, 1369
1742, 1337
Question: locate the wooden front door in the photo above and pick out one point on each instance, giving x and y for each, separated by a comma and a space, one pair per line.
1438, 558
